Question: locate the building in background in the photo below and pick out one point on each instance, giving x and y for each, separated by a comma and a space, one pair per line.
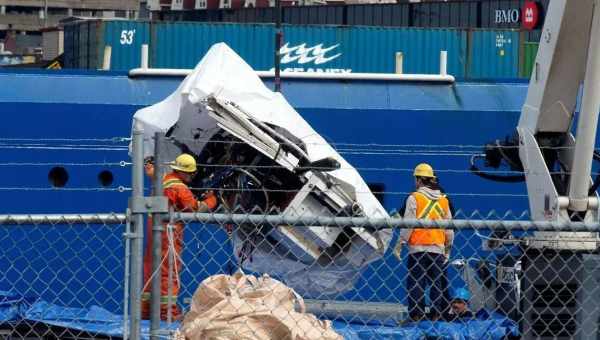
52, 42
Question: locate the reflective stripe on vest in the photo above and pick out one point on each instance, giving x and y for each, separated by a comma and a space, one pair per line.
164, 299
431, 210
167, 183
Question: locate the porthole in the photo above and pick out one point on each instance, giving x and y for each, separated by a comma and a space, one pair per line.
105, 178
58, 177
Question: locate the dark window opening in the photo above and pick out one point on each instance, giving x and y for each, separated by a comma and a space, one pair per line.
105, 178
58, 177
378, 190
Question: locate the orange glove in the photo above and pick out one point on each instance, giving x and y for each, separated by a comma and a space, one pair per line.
210, 199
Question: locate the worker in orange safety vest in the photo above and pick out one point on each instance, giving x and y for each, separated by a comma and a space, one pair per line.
428, 248
181, 199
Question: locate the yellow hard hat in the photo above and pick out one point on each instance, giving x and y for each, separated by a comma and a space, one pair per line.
185, 163
424, 170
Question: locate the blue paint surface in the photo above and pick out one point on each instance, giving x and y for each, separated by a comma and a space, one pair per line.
406, 118
494, 54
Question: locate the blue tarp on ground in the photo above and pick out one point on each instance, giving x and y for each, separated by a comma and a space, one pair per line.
93, 320
485, 326
96, 320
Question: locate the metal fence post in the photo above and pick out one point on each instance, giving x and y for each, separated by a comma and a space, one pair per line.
157, 230
278, 42
137, 189
127, 274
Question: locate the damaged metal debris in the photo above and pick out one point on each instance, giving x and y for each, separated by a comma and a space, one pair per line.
256, 167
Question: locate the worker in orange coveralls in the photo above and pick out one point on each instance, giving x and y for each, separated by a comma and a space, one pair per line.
181, 199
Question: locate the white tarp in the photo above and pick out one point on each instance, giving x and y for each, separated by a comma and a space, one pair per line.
222, 74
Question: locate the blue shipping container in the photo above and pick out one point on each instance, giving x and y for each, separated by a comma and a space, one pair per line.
182, 45
84, 43
471, 54
494, 54
126, 39
313, 48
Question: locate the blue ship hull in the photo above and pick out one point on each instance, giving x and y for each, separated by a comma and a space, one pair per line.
408, 122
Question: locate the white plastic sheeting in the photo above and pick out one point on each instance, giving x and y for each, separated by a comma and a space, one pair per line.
224, 76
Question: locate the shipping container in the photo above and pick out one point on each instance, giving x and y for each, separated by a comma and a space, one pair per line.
313, 48
505, 14
250, 15
444, 14
493, 54
209, 15
382, 15
85, 42
370, 49
181, 45
306, 48
81, 44
533, 35
126, 39
314, 15
528, 60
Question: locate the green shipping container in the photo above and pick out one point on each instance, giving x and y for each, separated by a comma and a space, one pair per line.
529, 53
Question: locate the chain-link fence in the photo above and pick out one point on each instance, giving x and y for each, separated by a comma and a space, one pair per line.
283, 254
57, 268
500, 279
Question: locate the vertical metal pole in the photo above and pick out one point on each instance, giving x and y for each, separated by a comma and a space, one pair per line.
106, 59
45, 13
172, 262
278, 42
399, 63
443, 63
126, 275
137, 191
144, 58
157, 229
579, 182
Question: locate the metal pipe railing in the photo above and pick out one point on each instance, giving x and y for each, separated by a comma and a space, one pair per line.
164, 72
